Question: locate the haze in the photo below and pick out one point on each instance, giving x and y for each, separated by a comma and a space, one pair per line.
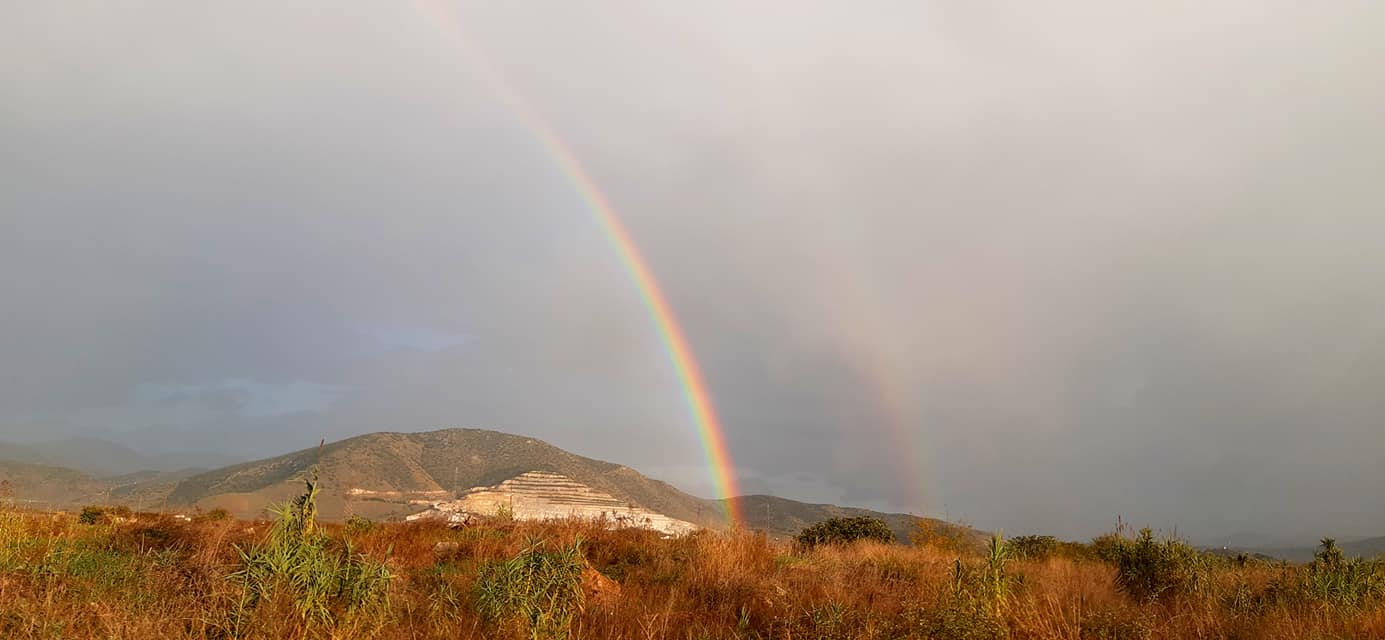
1031, 265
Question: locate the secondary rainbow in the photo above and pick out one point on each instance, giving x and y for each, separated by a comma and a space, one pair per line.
675, 341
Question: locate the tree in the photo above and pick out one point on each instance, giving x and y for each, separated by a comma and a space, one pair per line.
844, 531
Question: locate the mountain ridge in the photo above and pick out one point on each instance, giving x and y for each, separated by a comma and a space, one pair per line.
389, 475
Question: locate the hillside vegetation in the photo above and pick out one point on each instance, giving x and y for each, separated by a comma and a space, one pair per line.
153, 577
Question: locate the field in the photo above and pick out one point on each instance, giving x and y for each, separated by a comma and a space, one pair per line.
144, 576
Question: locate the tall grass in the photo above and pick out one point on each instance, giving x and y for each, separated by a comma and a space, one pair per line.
538, 591
327, 584
153, 577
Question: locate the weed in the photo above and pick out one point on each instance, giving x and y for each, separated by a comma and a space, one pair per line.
538, 590
327, 585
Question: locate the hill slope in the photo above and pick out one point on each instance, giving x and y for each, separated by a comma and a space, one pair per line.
381, 474
44, 485
384, 475
784, 517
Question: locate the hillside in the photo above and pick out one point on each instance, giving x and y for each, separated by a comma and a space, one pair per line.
783, 517
45, 485
390, 474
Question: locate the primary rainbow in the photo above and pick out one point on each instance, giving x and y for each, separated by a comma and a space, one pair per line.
704, 415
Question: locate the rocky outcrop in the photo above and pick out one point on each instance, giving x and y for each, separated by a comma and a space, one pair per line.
542, 495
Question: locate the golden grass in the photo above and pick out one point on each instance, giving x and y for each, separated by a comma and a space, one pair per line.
154, 577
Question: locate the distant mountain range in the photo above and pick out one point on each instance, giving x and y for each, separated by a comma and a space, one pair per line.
1363, 548
102, 458
390, 475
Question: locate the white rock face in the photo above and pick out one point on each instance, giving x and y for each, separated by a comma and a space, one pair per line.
541, 495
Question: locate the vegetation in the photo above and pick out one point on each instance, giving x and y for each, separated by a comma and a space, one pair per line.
152, 576
538, 591
326, 583
844, 531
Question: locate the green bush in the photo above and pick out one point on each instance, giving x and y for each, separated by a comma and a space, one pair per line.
844, 531
358, 525
329, 584
1149, 569
1034, 547
539, 591
1350, 584
92, 515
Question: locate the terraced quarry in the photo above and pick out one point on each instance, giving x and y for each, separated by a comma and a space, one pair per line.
542, 495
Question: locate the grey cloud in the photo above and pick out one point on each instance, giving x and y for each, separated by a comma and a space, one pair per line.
1032, 265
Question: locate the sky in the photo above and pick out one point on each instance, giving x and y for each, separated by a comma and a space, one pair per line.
1033, 266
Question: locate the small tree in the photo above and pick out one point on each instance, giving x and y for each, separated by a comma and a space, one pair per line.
6, 492
846, 530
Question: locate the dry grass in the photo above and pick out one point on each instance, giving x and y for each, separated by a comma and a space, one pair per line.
151, 577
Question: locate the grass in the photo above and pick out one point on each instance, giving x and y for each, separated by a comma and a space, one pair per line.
149, 576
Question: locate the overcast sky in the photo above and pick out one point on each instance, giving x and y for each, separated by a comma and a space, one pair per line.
1031, 265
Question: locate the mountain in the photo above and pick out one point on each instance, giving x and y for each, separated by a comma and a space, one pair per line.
784, 517
101, 458
383, 475
392, 474
44, 485
1360, 548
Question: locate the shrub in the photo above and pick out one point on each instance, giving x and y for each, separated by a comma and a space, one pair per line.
539, 591
1034, 547
215, 515
1149, 569
358, 525
1348, 584
91, 515
844, 531
328, 585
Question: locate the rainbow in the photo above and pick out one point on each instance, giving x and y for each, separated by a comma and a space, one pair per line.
709, 428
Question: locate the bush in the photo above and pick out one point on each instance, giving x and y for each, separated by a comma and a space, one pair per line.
328, 584
1034, 547
215, 515
539, 591
93, 514
845, 531
1349, 584
358, 525
1149, 569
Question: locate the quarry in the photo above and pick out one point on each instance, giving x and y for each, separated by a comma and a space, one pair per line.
543, 495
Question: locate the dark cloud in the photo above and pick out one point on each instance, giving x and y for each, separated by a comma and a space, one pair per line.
1033, 266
